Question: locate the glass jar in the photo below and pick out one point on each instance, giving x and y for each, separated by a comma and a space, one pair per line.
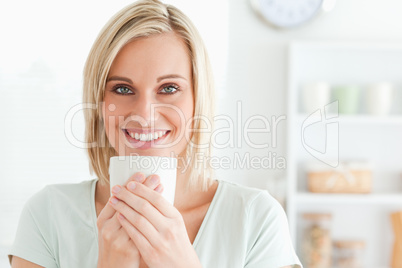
317, 244
349, 254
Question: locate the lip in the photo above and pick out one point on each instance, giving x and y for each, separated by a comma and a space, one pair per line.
144, 144
143, 131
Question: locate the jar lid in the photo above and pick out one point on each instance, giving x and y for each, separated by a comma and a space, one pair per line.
352, 244
317, 216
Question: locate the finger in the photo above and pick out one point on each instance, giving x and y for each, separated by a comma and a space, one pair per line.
138, 238
159, 189
154, 198
110, 228
139, 204
138, 177
121, 236
139, 221
152, 181
113, 223
122, 240
107, 213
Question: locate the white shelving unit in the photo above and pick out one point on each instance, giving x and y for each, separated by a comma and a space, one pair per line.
360, 137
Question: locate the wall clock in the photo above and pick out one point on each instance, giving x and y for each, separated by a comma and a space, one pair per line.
290, 13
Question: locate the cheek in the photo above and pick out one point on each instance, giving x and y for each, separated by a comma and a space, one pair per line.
186, 108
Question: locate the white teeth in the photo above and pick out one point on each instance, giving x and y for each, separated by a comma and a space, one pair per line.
147, 137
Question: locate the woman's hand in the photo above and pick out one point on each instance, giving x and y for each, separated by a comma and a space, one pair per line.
116, 248
156, 227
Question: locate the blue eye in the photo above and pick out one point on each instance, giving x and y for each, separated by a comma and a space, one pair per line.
123, 90
169, 89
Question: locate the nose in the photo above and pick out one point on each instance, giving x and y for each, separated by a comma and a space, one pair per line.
143, 110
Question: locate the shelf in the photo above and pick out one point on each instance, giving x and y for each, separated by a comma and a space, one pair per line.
376, 198
357, 119
352, 137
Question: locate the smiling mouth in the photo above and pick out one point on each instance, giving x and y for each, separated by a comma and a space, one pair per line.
146, 135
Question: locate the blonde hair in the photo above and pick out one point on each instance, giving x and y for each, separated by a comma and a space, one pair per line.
141, 19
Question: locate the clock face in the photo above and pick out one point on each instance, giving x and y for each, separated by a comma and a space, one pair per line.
287, 13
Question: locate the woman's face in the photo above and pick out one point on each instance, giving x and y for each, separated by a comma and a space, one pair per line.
149, 97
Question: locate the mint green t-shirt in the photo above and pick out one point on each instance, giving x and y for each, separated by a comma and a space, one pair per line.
243, 227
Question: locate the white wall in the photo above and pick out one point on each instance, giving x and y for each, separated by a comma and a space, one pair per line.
257, 62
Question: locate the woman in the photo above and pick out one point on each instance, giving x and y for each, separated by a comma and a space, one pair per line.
148, 74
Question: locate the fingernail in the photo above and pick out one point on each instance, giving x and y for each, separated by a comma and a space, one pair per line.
131, 186
114, 200
159, 189
154, 179
116, 189
139, 177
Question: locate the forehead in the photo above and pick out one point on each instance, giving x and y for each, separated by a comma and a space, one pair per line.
156, 55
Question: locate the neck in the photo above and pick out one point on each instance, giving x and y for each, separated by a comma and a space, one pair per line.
102, 194
185, 197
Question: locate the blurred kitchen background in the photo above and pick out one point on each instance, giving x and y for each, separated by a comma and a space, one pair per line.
324, 99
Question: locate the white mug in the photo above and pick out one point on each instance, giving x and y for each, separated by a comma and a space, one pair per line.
121, 168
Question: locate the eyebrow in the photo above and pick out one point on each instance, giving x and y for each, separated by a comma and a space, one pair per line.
119, 78
170, 76
128, 80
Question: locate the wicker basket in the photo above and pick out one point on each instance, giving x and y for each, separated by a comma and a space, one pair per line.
347, 178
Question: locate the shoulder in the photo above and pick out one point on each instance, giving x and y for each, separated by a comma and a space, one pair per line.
257, 221
67, 204
56, 195
260, 213
250, 198
70, 190
57, 215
